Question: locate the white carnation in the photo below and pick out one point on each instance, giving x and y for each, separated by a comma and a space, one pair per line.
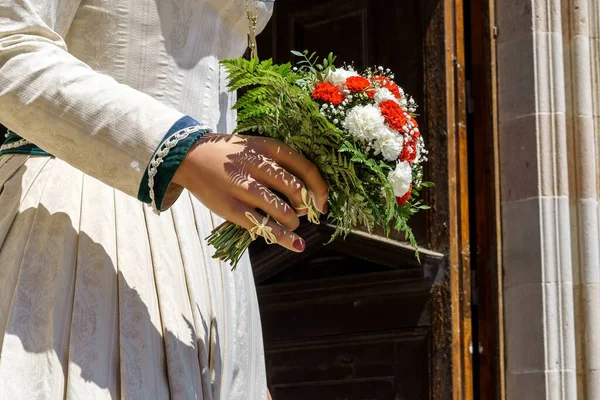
389, 144
401, 178
339, 76
383, 94
364, 122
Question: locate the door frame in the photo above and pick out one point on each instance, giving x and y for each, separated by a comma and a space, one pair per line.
452, 366
459, 213
474, 256
486, 244
474, 272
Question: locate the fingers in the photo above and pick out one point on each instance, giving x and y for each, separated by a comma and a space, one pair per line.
302, 168
277, 178
257, 195
283, 236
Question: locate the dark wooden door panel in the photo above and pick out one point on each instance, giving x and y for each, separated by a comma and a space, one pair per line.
359, 335
375, 302
379, 389
338, 360
321, 27
376, 367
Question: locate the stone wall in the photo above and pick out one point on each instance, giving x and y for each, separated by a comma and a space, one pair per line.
549, 130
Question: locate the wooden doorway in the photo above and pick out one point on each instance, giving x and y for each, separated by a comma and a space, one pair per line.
360, 319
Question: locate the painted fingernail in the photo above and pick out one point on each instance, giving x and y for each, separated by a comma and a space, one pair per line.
325, 208
299, 244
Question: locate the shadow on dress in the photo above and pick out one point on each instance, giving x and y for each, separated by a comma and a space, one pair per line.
178, 20
61, 309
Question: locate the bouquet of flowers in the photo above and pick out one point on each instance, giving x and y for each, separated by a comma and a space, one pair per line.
359, 129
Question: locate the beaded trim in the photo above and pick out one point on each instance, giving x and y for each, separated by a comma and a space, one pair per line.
14, 145
163, 151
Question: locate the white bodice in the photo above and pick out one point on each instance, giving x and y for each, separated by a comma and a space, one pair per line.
169, 49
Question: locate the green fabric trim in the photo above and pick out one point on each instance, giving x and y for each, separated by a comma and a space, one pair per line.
170, 164
29, 149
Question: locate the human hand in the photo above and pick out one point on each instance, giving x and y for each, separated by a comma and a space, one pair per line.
233, 175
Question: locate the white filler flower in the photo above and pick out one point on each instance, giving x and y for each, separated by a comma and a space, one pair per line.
365, 122
401, 178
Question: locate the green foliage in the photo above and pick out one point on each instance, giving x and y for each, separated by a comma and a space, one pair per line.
309, 63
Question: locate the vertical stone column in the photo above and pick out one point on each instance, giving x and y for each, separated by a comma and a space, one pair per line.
582, 23
549, 113
537, 256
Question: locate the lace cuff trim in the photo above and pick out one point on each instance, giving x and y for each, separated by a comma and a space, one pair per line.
159, 157
14, 145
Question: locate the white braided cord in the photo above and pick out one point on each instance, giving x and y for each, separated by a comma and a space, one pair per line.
159, 157
14, 145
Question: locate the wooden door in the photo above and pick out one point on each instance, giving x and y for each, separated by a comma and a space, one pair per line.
361, 319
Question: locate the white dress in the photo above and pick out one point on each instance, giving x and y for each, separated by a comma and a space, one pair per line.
101, 298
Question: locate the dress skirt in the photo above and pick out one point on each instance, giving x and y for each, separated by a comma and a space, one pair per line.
100, 298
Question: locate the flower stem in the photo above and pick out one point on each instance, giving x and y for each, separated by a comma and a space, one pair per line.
230, 242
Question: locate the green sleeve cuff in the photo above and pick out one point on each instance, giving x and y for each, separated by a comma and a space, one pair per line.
166, 160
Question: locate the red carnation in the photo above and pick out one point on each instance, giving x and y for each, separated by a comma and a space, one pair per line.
409, 152
395, 89
404, 199
357, 84
388, 84
394, 115
328, 93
